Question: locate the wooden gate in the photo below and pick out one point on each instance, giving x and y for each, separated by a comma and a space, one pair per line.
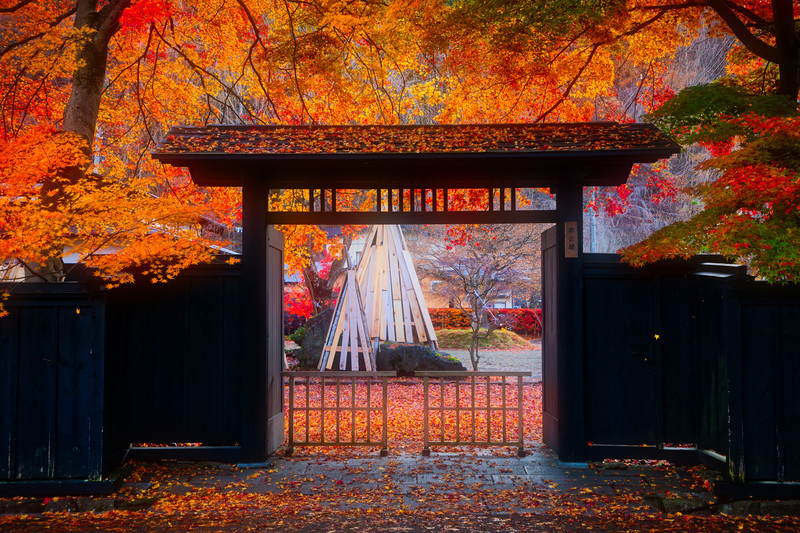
639, 384
550, 338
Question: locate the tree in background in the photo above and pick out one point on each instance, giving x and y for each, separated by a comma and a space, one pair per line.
488, 262
752, 207
747, 121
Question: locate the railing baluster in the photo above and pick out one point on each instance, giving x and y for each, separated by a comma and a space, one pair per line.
308, 388
385, 411
488, 409
458, 409
520, 423
338, 411
472, 403
322, 412
369, 410
290, 444
504, 390
425, 420
441, 404
353, 412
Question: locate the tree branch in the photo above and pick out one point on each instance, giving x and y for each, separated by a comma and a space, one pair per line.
757, 20
35, 36
743, 33
570, 85
109, 20
15, 7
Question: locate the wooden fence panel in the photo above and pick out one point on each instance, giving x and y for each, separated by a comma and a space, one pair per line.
623, 370
760, 388
51, 385
177, 357
9, 364
709, 351
770, 373
678, 367
789, 381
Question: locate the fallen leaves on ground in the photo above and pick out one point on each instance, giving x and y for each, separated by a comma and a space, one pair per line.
346, 489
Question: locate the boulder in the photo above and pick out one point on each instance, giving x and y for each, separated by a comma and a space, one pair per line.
407, 358
316, 329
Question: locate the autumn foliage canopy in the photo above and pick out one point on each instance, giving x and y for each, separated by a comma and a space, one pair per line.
88, 87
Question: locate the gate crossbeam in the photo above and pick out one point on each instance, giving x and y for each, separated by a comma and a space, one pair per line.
412, 206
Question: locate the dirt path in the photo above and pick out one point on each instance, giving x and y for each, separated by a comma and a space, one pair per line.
505, 360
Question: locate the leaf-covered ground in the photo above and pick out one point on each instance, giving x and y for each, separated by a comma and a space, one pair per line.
459, 490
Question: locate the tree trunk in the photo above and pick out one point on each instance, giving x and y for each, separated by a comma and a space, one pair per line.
474, 356
83, 107
788, 44
785, 52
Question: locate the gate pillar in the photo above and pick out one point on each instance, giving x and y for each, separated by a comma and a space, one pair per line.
254, 366
569, 323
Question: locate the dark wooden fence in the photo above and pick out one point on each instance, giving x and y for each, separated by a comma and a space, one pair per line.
175, 361
752, 368
692, 361
86, 375
685, 361
51, 389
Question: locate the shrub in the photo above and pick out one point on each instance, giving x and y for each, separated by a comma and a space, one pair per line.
298, 335
520, 321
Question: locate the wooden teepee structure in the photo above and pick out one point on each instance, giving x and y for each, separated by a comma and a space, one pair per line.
348, 344
393, 301
380, 300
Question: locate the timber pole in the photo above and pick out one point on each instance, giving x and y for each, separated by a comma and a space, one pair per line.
254, 365
571, 442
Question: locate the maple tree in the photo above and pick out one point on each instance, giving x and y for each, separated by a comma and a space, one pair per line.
486, 262
118, 72
751, 208
747, 122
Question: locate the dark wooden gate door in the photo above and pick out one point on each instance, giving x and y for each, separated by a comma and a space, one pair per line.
275, 246
549, 338
621, 361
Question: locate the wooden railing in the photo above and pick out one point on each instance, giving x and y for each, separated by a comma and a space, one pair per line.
338, 409
473, 409
351, 409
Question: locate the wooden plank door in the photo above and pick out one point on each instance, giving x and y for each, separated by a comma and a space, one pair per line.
274, 339
549, 338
